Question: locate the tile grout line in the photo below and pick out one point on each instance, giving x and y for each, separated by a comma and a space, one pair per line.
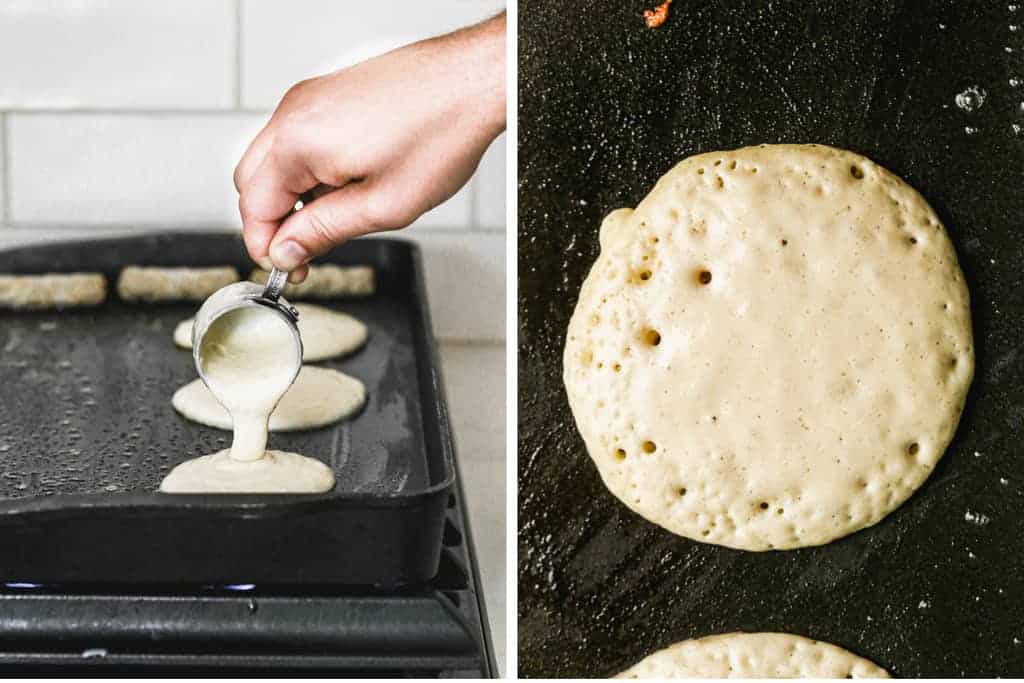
420, 233
133, 226
5, 168
136, 111
238, 55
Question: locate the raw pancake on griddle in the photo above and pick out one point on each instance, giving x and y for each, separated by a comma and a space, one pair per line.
319, 397
325, 333
773, 350
753, 655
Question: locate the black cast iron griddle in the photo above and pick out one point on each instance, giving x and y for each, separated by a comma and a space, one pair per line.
87, 432
606, 107
435, 629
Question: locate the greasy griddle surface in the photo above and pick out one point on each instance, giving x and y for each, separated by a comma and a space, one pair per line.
87, 394
606, 107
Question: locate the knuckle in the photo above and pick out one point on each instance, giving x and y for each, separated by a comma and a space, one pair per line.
288, 134
295, 92
321, 227
291, 136
247, 206
380, 212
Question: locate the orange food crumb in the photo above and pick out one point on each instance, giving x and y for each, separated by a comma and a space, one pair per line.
657, 16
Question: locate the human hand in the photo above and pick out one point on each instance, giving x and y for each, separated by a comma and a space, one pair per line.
377, 144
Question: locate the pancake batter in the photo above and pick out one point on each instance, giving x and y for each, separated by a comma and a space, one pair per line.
325, 333
773, 349
249, 358
319, 396
753, 655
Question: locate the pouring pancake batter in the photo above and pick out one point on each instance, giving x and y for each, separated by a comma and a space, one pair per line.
326, 333
249, 357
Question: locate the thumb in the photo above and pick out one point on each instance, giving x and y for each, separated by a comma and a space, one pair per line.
321, 225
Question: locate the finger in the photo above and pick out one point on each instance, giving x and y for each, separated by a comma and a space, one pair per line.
257, 236
321, 225
254, 155
264, 263
298, 276
269, 195
321, 189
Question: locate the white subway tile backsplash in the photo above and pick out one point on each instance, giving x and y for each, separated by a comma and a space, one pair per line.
465, 275
3, 170
132, 168
284, 42
121, 169
490, 188
138, 54
456, 213
72, 166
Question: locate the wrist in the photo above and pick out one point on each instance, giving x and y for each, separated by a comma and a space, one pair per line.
477, 70
493, 79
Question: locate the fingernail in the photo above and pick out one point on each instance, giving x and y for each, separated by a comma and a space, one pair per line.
288, 255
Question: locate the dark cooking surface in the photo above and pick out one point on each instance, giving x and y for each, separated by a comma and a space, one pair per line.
94, 394
606, 107
87, 432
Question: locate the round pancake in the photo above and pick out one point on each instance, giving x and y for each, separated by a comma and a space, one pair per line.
318, 397
753, 655
325, 333
275, 472
773, 350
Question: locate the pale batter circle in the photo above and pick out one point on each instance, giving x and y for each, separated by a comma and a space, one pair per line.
319, 397
275, 472
773, 350
325, 333
753, 655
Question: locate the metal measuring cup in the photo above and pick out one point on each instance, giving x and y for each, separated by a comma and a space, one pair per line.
240, 295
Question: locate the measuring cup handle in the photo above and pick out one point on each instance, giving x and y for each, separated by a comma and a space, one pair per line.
275, 284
